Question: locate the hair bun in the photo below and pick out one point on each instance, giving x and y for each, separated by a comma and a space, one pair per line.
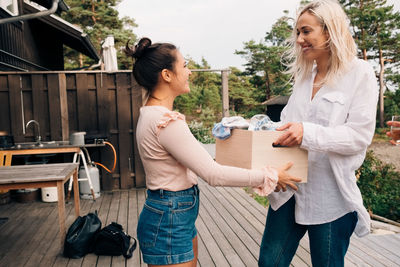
140, 48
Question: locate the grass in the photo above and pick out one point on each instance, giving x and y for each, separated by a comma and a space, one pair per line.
380, 135
262, 200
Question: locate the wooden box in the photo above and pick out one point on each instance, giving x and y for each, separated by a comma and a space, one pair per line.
253, 149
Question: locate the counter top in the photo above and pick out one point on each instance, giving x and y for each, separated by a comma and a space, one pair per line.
48, 145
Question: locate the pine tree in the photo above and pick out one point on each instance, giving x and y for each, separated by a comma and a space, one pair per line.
98, 19
264, 61
376, 29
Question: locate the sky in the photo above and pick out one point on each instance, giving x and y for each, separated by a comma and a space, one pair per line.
210, 29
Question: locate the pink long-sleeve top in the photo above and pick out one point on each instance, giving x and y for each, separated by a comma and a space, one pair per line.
173, 159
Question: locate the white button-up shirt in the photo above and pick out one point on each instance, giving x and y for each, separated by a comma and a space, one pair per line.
338, 126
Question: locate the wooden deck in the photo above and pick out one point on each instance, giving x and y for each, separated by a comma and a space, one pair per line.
230, 227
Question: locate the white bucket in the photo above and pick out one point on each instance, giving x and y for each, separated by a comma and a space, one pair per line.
49, 194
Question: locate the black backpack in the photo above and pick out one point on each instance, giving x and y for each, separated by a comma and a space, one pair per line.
80, 236
113, 241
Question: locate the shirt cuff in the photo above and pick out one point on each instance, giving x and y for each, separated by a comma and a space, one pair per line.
270, 181
308, 134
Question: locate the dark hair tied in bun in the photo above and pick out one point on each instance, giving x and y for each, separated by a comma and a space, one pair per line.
150, 60
140, 48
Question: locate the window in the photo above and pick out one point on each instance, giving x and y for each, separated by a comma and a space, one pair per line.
10, 5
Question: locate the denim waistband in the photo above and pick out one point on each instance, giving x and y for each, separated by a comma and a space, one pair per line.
194, 190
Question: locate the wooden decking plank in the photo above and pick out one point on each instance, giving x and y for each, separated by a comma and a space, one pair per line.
91, 258
141, 197
225, 237
112, 217
32, 221
304, 255
19, 248
203, 257
46, 235
385, 242
119, 261
298, 262
244, 213
381, 248
6, 208
364, 256
44, 252
42, 245
132, 224
250, 236
365, 247
212, 247
102, 208
60, 259
223, 232
10, 228
256, 208
85, 209
249, 248
55, 249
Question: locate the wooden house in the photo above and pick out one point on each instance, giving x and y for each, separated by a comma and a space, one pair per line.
274, 107
34, 85
37, 44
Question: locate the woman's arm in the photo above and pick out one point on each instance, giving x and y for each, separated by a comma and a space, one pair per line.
349, 138
177, 139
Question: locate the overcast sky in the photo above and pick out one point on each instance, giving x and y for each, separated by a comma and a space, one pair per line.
212, 29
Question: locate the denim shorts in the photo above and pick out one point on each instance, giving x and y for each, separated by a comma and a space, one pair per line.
166, 226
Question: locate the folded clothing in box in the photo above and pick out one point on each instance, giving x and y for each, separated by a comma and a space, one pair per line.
253, 149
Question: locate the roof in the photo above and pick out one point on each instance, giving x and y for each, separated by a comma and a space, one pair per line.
71, 35
62, 6
277, 100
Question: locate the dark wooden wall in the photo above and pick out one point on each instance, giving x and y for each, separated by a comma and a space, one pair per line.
102, 104
30, 45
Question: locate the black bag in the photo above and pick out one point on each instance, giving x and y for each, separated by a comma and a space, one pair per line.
113, 241
80, 236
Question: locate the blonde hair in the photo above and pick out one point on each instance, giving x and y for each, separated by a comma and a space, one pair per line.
341, 44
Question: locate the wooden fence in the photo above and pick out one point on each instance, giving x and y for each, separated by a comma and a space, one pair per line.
98, 103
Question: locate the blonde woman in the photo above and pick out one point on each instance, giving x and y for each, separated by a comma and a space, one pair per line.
331, 113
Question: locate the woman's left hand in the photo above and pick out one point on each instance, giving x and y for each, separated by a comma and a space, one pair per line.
293, 136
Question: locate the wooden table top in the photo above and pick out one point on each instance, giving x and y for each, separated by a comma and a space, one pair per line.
36, 173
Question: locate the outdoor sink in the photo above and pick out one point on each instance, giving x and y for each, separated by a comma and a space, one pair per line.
44, 144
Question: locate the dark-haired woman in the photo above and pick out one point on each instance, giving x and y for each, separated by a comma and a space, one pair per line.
173, 159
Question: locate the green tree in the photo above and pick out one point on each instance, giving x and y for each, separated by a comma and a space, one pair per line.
243, 95
264, 61
203, 103
99, 19
376, 29
392, 104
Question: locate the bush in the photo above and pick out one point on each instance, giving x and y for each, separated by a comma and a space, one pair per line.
380, 187
201, 133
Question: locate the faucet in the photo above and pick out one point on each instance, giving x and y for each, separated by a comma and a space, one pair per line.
38, 137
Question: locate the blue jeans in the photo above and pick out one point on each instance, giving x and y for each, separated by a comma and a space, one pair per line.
328, 242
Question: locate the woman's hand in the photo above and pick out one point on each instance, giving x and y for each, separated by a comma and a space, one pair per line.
293, 136
285, 179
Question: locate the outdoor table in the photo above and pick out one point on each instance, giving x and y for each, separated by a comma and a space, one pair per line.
7, 155
44, 175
